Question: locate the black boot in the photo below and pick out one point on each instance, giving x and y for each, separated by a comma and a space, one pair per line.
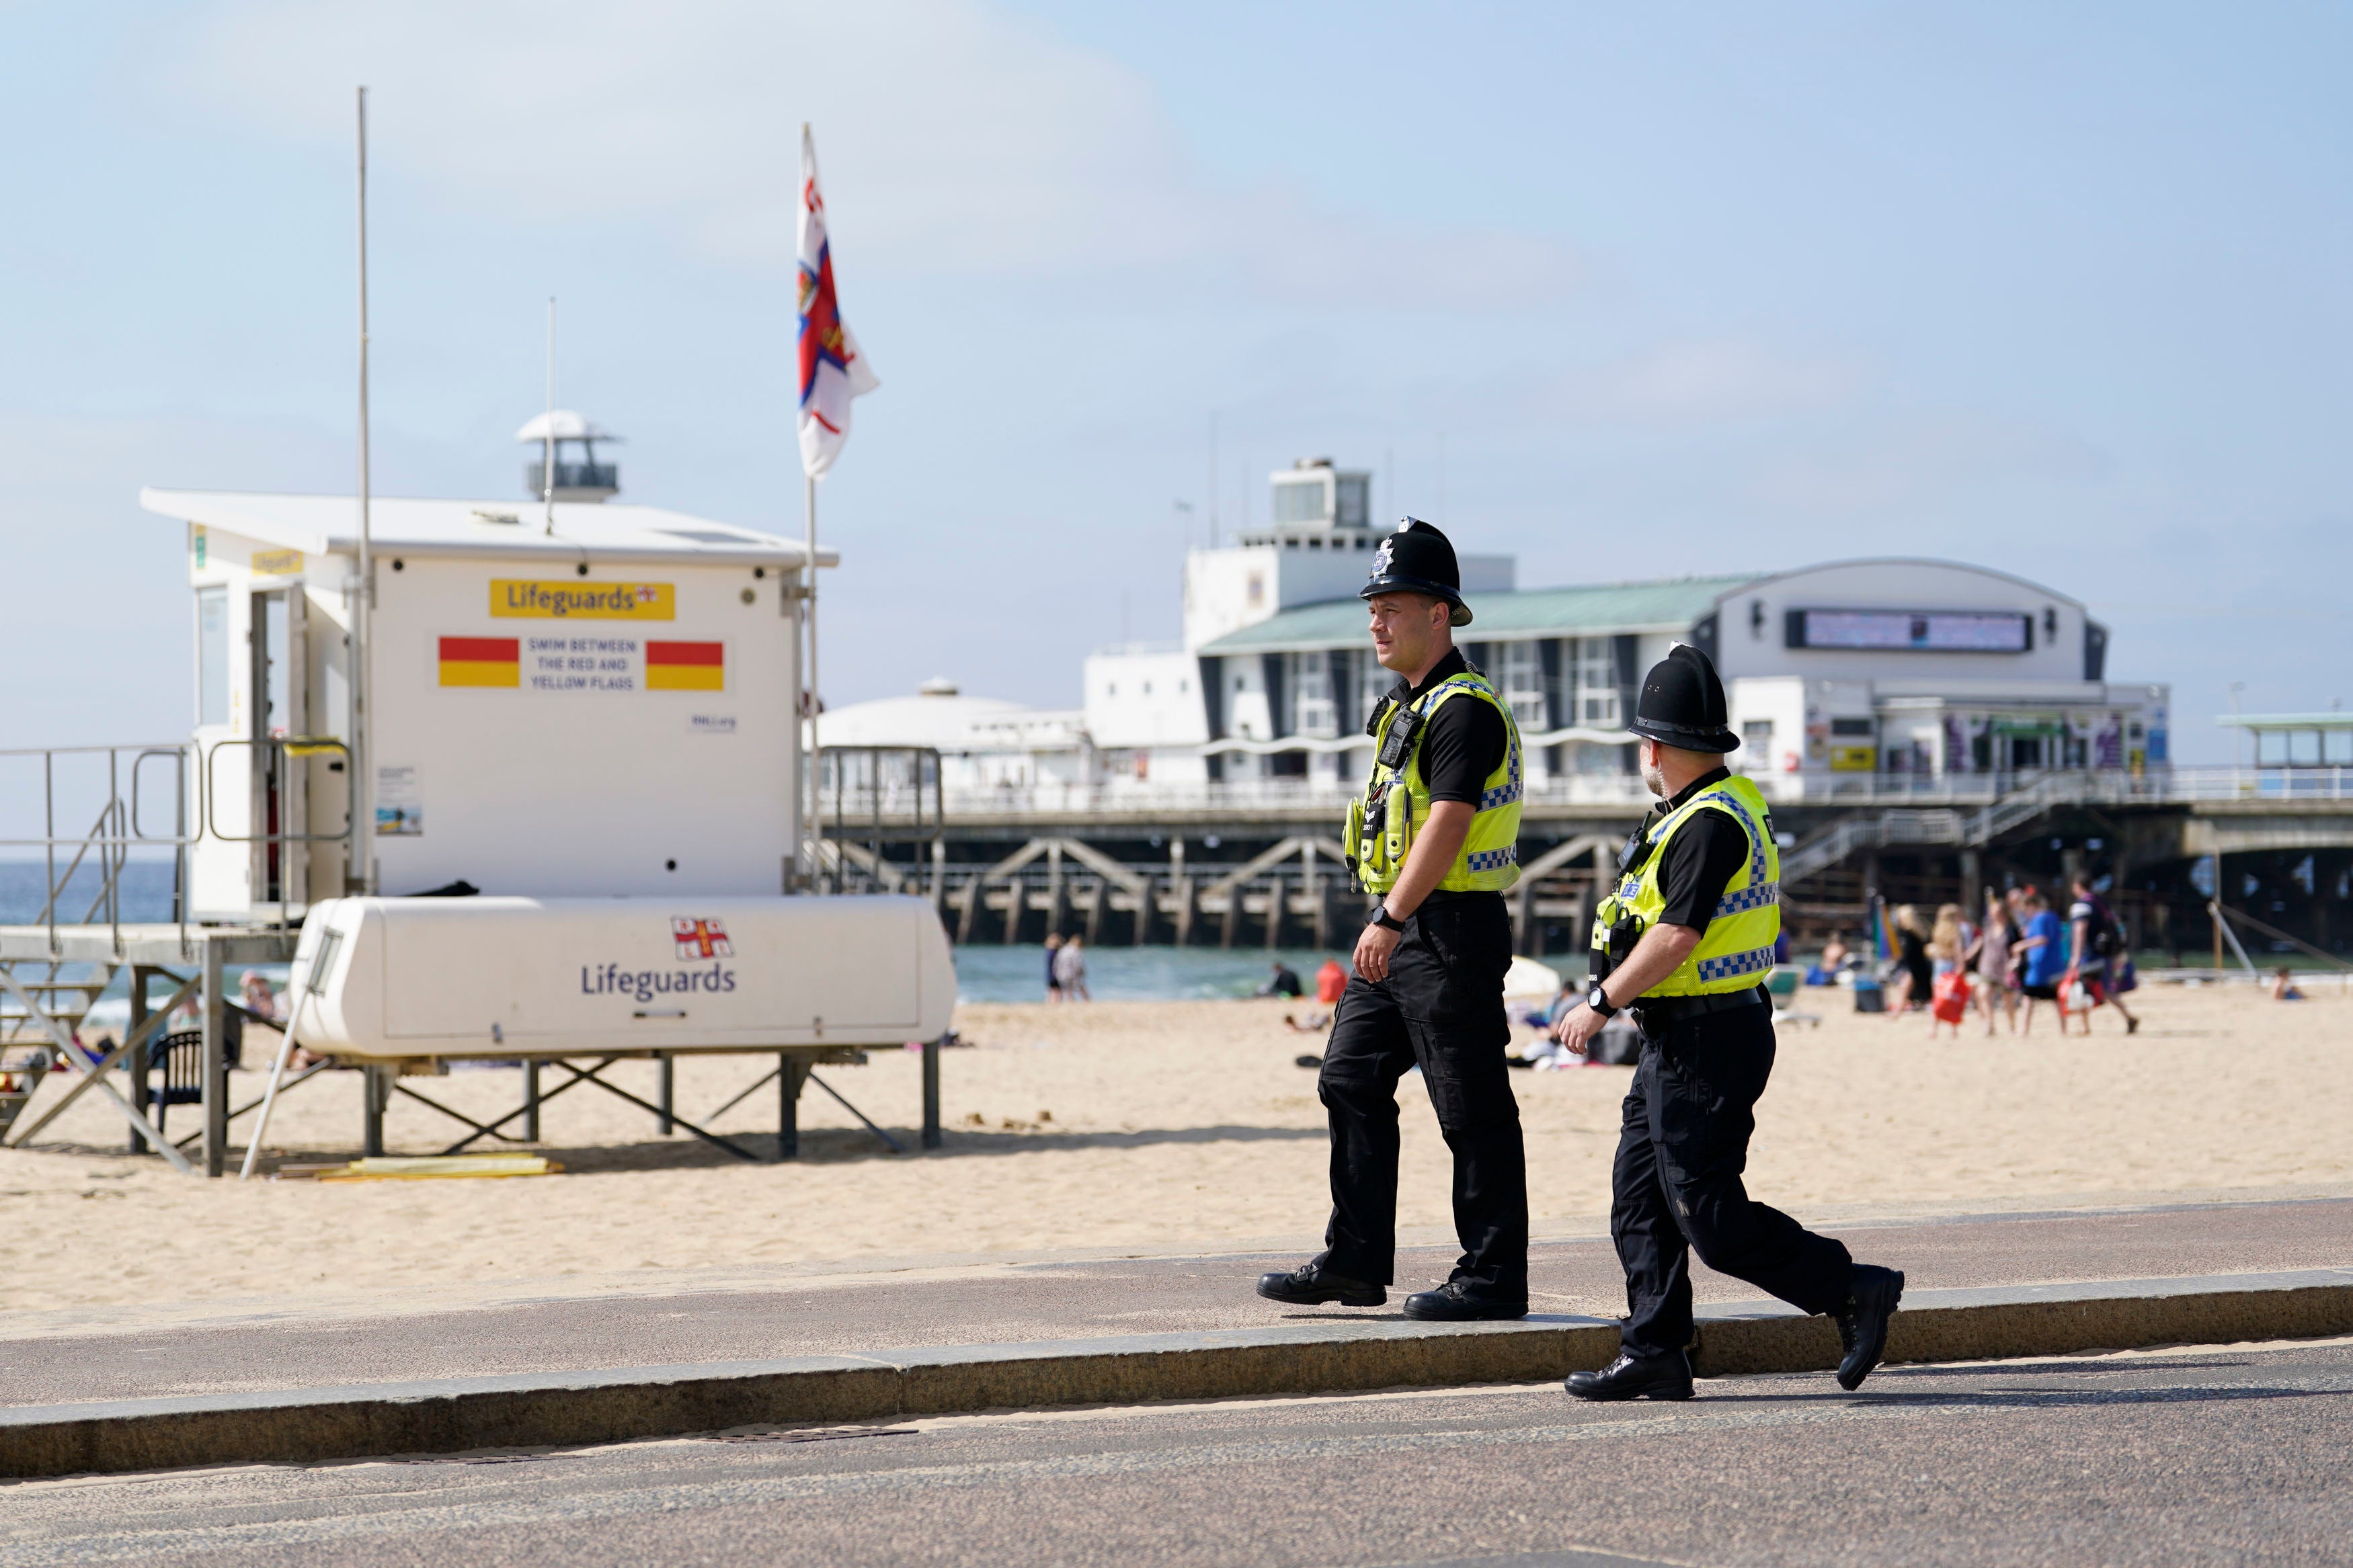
1863, 1327
1313, 1285
1628, 1377
1453, 1302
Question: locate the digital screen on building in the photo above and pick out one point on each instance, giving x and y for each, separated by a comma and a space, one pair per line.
1919, 631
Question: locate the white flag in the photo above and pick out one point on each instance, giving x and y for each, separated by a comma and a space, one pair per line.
832, 370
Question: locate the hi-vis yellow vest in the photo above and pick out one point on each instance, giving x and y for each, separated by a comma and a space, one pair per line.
1396, 802
1736, 948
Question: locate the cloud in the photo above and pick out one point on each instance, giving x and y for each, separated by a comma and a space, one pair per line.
954, 138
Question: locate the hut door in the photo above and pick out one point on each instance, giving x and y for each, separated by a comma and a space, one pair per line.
280, 708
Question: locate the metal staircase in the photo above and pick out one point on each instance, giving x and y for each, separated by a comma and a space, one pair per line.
1898, 826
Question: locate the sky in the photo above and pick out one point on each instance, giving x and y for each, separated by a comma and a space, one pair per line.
1626, 291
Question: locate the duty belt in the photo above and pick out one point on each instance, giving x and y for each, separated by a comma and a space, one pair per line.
1654, 1013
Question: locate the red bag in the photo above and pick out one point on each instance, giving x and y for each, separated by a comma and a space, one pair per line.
1950, 998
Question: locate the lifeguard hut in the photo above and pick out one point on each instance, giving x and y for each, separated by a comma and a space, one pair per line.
570, 824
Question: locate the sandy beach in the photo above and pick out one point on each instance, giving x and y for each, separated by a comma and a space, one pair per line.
1143, 1128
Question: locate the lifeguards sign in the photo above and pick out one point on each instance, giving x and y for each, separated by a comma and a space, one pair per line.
560, 601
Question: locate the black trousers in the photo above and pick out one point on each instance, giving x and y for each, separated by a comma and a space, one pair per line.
1676, 1189
1442, 1008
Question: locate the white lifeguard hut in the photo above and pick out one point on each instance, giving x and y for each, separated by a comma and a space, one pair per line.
579, 826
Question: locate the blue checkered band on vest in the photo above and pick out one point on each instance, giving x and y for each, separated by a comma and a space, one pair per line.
1755, 897
1494, 859
1731, 802
1756, 961
1507, 792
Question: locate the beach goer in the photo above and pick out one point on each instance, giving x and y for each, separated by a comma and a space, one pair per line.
2043, 957
258, 998
1071, 970
1994, 982
1683, 942
1434, 838
1916, 978
2283, 986
1826, 968
1053, 977
1283, 982
2097, 943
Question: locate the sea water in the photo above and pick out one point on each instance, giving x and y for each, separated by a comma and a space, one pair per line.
989, 973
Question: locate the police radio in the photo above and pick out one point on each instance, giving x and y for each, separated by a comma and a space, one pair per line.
1617, 928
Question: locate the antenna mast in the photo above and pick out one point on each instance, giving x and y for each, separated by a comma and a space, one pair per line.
547, 464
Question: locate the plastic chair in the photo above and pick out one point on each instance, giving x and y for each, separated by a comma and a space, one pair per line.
180, 1057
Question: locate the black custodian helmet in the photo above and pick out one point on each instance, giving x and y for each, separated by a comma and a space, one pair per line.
1683, 705
1418, 559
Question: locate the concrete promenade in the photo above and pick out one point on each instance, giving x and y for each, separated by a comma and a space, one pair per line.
868, 1311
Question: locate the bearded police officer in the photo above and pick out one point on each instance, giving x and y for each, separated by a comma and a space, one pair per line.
1435, 836
1683, 941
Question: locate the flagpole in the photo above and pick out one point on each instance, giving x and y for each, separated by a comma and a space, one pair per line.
814, 829
358, 869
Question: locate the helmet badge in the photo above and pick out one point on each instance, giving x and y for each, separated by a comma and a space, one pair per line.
1383, 556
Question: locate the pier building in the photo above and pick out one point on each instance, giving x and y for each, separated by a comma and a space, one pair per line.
1922, 726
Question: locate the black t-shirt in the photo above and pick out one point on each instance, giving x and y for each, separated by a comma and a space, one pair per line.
1463, 743
1700, 859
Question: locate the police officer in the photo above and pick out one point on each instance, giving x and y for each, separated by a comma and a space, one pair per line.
1685, 940
1435, 837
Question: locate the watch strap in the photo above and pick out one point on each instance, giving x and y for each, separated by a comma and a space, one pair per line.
1381, 917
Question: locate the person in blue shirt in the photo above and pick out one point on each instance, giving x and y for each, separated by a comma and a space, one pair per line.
2044, 951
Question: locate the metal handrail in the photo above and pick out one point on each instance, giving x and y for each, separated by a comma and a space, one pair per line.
287, 746
114, 832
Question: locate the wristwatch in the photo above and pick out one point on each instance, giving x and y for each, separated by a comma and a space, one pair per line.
1598, 998
1381, 917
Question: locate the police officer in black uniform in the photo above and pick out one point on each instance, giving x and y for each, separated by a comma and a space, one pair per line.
1704, 866
1428, 983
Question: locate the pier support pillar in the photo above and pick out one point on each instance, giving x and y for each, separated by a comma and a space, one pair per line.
1057, 908
1320, 912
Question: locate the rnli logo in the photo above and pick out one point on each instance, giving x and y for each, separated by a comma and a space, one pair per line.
1383, 556
701, 939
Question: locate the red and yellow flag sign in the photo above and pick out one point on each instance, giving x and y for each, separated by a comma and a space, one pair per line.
481, 662
686, 667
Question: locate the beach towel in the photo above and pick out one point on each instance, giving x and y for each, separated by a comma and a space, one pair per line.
1950, 996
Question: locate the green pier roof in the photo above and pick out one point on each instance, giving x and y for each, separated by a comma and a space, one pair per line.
1669, 605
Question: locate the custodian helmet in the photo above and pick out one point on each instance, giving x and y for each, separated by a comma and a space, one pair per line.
1418, 559
1683, 705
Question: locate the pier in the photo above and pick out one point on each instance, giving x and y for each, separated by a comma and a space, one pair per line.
1257, 863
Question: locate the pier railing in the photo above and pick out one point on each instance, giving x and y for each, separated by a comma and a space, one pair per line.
2032, 791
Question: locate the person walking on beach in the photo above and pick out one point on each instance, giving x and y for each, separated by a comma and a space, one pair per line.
2097, 943
1994, 984
1053, 979
2041, 954
1071, 970
1684, 940
1435, 839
